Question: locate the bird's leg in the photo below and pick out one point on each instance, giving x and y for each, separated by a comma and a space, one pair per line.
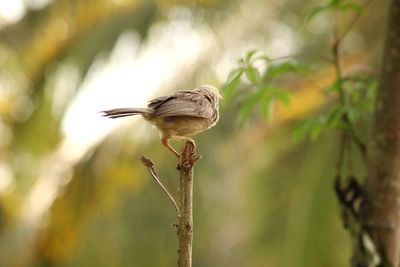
164, 141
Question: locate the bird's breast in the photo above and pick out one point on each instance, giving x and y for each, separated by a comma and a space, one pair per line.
182, 125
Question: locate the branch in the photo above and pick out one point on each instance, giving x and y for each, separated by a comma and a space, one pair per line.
187, 161
149, 166
337, 63
353, 22
185, 226
337, 41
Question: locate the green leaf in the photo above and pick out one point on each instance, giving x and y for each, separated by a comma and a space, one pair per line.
249, 56
334, 4
318, 127
229, 88
242, 64
334, 87
286, 67
316, 10
248, 106
315, 132
274, 92
312, 127
282, 94
351, 6
334, 116
372, 89
267, 108
253, 75
353, 114
303, 128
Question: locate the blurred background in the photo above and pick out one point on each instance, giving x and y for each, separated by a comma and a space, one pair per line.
72, 189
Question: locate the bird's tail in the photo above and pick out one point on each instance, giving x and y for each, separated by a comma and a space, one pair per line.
124, 112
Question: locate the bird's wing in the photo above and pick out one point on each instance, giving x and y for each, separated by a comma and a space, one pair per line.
183, 103
153, 104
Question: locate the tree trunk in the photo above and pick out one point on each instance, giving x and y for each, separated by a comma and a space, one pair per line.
380, 211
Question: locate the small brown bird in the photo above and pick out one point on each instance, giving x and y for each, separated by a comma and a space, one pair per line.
179, 115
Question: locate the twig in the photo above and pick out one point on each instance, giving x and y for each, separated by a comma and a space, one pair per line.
337, 63
150, 167
301, 55
353, 22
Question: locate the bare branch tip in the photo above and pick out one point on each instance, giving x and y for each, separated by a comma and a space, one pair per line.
147, 162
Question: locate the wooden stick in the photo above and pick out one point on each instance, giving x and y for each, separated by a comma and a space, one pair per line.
150, 167
184, 210
185, 225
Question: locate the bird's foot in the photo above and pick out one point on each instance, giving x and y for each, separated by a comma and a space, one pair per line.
179, 168
189, 152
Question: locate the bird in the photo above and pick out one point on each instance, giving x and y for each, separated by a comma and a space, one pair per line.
179, 115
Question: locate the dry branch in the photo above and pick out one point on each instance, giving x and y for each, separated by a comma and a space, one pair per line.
185, 226
150, 167
184, 210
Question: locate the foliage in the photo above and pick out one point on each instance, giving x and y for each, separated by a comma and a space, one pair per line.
355, 92
360, 91
260, 199
350, 98
261, 76
336, 5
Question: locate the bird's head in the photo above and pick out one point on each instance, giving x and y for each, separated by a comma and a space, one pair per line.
210, 92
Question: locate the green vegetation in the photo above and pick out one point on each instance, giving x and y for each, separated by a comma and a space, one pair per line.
73, 191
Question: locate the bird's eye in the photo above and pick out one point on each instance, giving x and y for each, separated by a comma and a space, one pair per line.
208, 98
